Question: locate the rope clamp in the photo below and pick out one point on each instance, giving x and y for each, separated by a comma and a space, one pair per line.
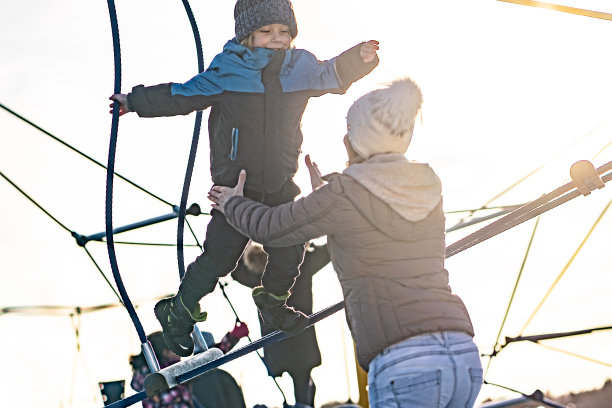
585, 177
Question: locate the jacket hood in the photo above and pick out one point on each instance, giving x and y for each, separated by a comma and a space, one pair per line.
238, 69
410, 189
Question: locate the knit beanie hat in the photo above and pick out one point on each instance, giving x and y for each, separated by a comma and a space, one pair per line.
249, 15
382, 121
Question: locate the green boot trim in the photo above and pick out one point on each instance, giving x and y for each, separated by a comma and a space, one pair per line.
196, 314
260, 290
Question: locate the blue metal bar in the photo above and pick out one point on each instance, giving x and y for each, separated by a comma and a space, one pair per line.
82, 240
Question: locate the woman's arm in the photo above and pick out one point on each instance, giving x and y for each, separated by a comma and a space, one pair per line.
288, 224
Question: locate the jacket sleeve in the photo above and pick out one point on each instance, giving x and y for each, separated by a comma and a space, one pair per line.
288, 224
157, 100
350, 68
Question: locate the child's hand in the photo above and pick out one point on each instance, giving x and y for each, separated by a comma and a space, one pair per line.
368, 51
122, 99
315, 174
220, 194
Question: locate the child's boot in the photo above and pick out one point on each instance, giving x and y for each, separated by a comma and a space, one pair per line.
275, 312
177, 323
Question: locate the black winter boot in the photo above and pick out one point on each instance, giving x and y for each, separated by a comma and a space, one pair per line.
177, 324
275, 312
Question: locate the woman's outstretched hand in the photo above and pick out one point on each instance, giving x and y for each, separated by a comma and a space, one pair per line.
219, 194
316, 179
122, 99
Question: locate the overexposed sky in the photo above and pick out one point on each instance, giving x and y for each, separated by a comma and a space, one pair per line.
507, 88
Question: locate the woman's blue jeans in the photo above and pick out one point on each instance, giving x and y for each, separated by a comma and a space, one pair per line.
434, 370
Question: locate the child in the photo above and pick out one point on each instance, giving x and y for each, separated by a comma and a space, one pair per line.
257, 88
384, 223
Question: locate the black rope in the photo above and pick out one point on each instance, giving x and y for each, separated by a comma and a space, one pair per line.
102, 273
193, 151
538, 337
82, 154
35, 203
74, 234
537, 395
109, 176
194, 235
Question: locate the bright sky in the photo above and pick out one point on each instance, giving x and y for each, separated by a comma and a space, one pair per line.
507, 88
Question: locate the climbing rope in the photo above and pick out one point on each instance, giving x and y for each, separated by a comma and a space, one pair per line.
109, 177
193, 149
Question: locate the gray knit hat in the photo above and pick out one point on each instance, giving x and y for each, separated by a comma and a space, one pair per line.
249, 15
382, 121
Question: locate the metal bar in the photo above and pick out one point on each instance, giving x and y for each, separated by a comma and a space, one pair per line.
463, 224
82, 240
513, 403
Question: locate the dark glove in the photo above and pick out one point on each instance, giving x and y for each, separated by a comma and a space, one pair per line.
240, 330
275, 312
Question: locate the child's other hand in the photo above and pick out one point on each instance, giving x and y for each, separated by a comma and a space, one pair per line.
220, 194
368, 51
122, 99
315, 174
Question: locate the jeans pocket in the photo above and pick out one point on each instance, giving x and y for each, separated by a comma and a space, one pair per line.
417, 389
476, 379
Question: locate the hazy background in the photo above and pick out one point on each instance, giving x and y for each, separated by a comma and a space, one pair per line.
507, 89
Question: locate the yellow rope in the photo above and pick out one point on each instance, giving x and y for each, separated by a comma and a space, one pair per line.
575, 355
564, 9
566, 267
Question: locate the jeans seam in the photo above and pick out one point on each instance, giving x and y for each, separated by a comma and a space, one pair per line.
382, 367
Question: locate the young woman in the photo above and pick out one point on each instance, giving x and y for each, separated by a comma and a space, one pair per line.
384, 223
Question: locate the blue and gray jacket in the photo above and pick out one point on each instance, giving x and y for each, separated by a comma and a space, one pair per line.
257, 99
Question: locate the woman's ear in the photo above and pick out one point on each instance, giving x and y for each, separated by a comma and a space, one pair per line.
353, 157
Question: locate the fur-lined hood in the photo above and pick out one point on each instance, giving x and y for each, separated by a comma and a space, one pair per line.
410, 188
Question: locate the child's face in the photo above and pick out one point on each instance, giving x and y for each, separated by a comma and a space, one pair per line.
274, 36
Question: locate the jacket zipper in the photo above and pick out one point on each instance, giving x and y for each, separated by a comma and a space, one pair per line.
234, 152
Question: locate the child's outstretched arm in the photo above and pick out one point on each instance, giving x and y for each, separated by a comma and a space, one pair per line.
355, 63
367, 52
158, 100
